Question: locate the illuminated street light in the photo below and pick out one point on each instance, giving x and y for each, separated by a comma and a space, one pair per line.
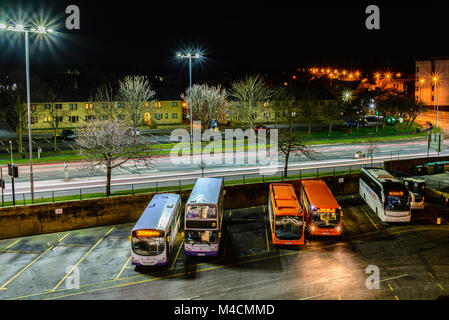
436, 79
347, 95
189, 56
40, 30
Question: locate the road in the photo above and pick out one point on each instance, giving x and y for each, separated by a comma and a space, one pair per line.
430, 116
50, 177
413, 260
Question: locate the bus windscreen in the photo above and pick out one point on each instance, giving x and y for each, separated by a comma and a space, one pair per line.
148, 246
201, 236
288, 227
201, 212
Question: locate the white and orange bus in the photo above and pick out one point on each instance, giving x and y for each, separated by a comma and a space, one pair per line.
286, 216
323, 213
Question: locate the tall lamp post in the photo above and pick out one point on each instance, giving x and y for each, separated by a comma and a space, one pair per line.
190, 56
435, 80
38, 30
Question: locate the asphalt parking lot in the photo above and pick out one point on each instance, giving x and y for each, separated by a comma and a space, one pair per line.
413, 260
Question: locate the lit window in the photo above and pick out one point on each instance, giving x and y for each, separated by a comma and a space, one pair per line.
157, 105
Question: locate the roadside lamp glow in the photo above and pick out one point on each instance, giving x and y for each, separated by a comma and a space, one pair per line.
190, 56
41, 30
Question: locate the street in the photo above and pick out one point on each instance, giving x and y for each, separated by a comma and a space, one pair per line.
51, 177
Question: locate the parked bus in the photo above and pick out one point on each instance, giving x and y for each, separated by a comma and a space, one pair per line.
204, 217
286, 217
386, 196
154, 234
416, 188
323, 213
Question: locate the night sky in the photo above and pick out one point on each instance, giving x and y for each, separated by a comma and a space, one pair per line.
236, 36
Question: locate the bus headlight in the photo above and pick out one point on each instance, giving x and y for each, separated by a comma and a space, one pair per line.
338, 229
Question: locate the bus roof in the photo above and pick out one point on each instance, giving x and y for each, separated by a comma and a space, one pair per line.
206, 191
157, 214
319, 194
380, 174
286, 201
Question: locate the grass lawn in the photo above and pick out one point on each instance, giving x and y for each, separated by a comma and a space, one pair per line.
339, 135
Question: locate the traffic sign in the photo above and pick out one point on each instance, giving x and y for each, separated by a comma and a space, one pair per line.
13, 170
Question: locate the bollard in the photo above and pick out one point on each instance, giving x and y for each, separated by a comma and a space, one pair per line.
438, 220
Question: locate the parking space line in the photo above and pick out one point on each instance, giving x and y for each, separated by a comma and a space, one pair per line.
10, 245
65, 236
429, 217
266, 236
74, 245
396, 297
76, 265
391, 288
339, 297
29, 265
375, 226
430, 275
372, 235
25, 252
442, 218
177, 254
124, 266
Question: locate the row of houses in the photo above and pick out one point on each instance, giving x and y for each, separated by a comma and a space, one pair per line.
162, 113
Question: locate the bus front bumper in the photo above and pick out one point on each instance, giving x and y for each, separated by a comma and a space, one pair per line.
325, 232
201, 254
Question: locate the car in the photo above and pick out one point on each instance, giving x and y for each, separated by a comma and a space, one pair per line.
137, 132
373, 120
353, 123
257, 128
68, 135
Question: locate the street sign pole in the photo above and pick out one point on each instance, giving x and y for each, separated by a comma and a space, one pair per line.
12, 176
2, 186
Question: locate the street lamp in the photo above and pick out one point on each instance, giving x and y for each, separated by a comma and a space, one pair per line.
190, 56
435, 80
39, 30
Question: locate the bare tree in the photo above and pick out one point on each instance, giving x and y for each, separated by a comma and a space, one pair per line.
291, 144
136, 92
371, 149
207, 101
109, 144
248, 93
56, 116
107, 107
309, 111
13, 104
279, 94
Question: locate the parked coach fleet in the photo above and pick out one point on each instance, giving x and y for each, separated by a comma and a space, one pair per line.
293, 214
